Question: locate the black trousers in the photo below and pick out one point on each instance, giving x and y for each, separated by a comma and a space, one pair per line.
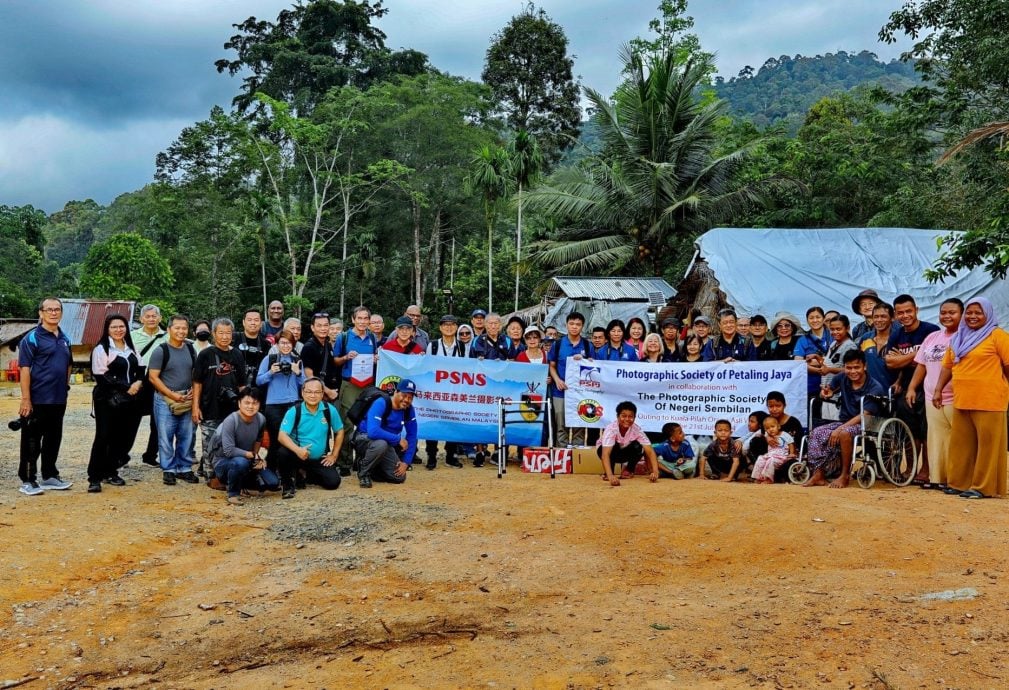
274, 416
145, 407
629, 455
326, 477
41, 436
115, 432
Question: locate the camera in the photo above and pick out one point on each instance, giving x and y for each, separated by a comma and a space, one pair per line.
17, 424
285, 367
228, 395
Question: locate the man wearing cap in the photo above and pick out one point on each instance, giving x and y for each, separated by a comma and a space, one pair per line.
445, 346
490, 345
310, 437
758, 338
670, 339
386, 439
863, 304
701, 326
476, 320
420, 335
402, 339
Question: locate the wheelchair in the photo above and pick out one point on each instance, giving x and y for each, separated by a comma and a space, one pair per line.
884, 447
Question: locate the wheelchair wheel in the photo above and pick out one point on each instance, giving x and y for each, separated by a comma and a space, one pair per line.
895, 451
865, 476
798, 473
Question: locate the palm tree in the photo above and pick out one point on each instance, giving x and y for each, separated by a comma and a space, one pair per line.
489, 176
526, 162
658, 177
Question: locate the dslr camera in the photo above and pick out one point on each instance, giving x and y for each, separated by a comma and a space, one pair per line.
20, 422
228, 395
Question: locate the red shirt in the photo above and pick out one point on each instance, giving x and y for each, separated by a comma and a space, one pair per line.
392, 344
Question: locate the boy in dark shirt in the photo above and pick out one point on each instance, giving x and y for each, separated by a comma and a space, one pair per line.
723, 456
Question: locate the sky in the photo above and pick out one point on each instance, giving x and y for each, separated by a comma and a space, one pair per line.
94, 90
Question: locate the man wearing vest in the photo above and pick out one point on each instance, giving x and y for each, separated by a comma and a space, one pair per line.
252, 344
572, 345
145, 339
311, 436
317, 358
386, 439
44, 361
171, 374
356, 351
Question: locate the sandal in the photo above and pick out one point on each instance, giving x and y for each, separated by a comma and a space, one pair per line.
972, 493
626, 475
236, 500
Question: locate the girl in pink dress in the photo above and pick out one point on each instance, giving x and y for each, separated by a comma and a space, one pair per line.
780, 447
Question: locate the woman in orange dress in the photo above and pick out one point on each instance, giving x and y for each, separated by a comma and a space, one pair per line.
977, 362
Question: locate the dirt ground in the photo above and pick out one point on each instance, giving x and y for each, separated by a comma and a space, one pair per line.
458, 579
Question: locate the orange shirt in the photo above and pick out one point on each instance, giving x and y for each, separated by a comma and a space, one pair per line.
978, 379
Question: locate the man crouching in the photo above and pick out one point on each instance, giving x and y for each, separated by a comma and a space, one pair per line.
386, 439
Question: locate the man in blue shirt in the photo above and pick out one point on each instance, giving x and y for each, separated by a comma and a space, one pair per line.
387, 437
44, 360
356, 351
572, 345
310, 437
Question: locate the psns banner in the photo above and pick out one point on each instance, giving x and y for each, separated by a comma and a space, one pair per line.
694, 395
457, 397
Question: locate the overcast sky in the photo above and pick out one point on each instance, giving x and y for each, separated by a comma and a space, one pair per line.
93, 90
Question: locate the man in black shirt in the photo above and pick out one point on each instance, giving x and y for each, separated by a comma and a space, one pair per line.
252, 344
217, 378
317, 358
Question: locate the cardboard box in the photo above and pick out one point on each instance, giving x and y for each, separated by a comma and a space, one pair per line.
586, 461
537, 460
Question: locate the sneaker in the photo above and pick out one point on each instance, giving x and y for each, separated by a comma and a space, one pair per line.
189, 478
288, 492
453, 462
33, 489
55, 484
95, 488
113, 480
429, 466
300, 481
365, 482
168, 478
344, 471
478, 460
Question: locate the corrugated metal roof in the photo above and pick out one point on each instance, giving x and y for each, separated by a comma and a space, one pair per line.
14, 329
83, 319
608, 289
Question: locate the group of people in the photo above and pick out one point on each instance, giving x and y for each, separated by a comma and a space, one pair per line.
949, 382
262, 384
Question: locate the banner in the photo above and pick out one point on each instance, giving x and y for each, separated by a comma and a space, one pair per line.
457, 397
693, 395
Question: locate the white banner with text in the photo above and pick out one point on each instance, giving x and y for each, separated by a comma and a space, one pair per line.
693, 395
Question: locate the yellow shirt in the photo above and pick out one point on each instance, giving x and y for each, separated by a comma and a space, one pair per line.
979, 382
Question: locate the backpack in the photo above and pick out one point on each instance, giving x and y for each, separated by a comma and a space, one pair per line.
166, 353
216, 444
369, 394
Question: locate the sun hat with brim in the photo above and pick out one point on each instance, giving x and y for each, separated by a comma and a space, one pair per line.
532, 329
861, 296
786, 316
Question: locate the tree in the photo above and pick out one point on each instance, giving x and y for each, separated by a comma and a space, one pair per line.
71, 231
670, 29
126, 266
656, 183
23, 222
312, 48
530, 74
489, 177
525, 164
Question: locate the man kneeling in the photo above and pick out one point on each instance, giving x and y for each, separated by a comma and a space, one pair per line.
234, 450
310, 437
386, 439
831, 444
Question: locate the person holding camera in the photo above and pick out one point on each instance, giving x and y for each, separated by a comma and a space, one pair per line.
282, 375
44, 360
235, 449
116, 368
219, 375
171, 373
252, 344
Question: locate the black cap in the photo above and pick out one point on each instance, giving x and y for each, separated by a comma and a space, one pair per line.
448, 318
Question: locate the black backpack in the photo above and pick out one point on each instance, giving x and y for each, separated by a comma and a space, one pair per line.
297, 422
369, 394
166, 353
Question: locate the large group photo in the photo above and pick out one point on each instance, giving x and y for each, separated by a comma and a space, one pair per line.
357, 343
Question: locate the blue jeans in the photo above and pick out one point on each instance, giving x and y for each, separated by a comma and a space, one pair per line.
232, 472
175, 438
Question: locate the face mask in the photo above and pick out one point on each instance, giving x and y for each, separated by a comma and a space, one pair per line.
203, 336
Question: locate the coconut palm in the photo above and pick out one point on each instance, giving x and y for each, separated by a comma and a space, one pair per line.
526, 162
658, 177
488, 176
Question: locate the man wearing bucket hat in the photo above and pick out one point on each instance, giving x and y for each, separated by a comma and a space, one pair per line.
862, 305
386, 439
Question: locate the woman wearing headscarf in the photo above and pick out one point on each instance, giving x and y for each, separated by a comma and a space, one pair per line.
977, 362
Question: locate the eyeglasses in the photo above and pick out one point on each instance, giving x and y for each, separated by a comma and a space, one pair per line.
320, 315
413, 316
52, 310
311, 391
